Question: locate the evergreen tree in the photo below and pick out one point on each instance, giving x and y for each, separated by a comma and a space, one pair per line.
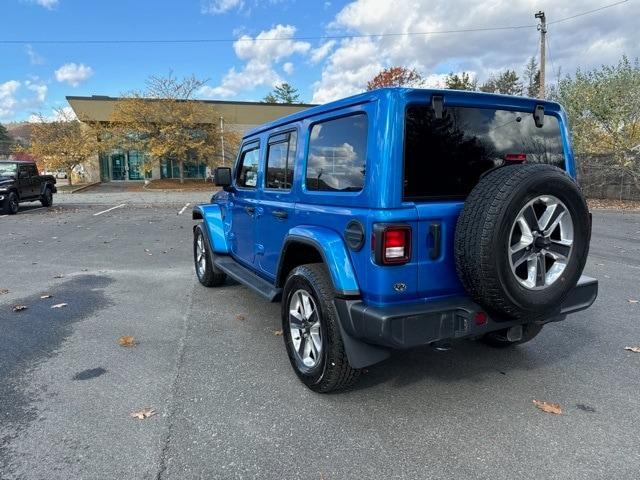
464, 81
6, 141
532, 77
506, 83
283, 93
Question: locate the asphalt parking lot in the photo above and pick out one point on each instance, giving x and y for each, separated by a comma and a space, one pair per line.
228, 404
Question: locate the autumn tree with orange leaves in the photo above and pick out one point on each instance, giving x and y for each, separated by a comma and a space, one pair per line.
395, 77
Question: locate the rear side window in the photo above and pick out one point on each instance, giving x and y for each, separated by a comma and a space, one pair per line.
32, 170
247, 173
281, 156
445, 157
337, 154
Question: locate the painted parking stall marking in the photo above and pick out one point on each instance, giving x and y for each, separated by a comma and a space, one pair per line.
109, 209
183, 209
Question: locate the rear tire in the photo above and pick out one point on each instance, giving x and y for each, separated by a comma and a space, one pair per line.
498, 339
11, 204
208, 274
311, 331
47, 198
522, 240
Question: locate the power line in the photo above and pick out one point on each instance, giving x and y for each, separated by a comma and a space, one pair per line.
272, 39
553, 65
319, 37
588, 12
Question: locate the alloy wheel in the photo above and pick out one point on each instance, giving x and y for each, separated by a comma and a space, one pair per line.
304, 325
541, 242
201, 257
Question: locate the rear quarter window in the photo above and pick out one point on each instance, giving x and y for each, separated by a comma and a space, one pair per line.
445, 158
337, 155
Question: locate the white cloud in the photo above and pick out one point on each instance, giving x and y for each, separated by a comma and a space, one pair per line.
260, 55
11, 100
347, 70
216, 7
46, 3
39, 89
288, 68
8, 100
318, 54
586, 41
73, 74
62, 114
34, 57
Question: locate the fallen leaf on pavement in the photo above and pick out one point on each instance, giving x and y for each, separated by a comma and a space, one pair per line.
633, 349
4, 291
632, 300
19, 308
548, 407
127, 341
278, 333
59, 305
45, 296
146, 412
240, 318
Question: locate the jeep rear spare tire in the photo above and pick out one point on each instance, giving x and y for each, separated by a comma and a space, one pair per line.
522, 240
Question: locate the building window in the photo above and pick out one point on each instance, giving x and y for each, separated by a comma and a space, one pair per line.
337, 154
135, 165
105, 173
170, 168
281, 156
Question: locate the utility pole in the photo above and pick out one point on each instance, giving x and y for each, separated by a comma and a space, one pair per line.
222, 137
542, 28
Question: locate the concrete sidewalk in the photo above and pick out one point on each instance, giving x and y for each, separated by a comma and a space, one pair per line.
108, 193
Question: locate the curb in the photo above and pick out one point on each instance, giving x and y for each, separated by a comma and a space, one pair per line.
84, 187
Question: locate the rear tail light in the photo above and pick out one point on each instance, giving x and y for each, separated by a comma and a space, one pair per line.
480, 318
515, 157
392, 245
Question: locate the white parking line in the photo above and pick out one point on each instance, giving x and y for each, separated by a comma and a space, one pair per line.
109, 209
183, 209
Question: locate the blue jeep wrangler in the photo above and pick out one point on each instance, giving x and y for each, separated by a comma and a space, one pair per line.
402, 217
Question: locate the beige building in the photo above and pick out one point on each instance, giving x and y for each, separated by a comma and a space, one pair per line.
124, 166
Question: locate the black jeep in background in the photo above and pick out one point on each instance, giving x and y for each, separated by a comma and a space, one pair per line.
20, 182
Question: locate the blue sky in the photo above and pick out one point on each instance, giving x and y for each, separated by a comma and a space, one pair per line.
36, 77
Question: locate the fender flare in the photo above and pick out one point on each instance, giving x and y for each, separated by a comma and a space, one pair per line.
331, 247
212, 219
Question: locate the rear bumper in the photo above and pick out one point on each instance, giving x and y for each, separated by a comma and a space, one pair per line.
405, 326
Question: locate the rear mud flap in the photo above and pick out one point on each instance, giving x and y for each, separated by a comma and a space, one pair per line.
359, 353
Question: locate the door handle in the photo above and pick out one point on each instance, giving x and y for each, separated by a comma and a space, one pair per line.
280, 214
435, 230
250, 210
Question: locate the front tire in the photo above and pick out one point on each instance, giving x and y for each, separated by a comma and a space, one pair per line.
11, 204
208, 274
47, 198
311, 331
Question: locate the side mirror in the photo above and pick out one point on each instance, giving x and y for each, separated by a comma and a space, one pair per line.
222, 176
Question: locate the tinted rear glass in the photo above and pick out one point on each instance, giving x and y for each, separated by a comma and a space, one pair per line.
337, 154
445, 157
